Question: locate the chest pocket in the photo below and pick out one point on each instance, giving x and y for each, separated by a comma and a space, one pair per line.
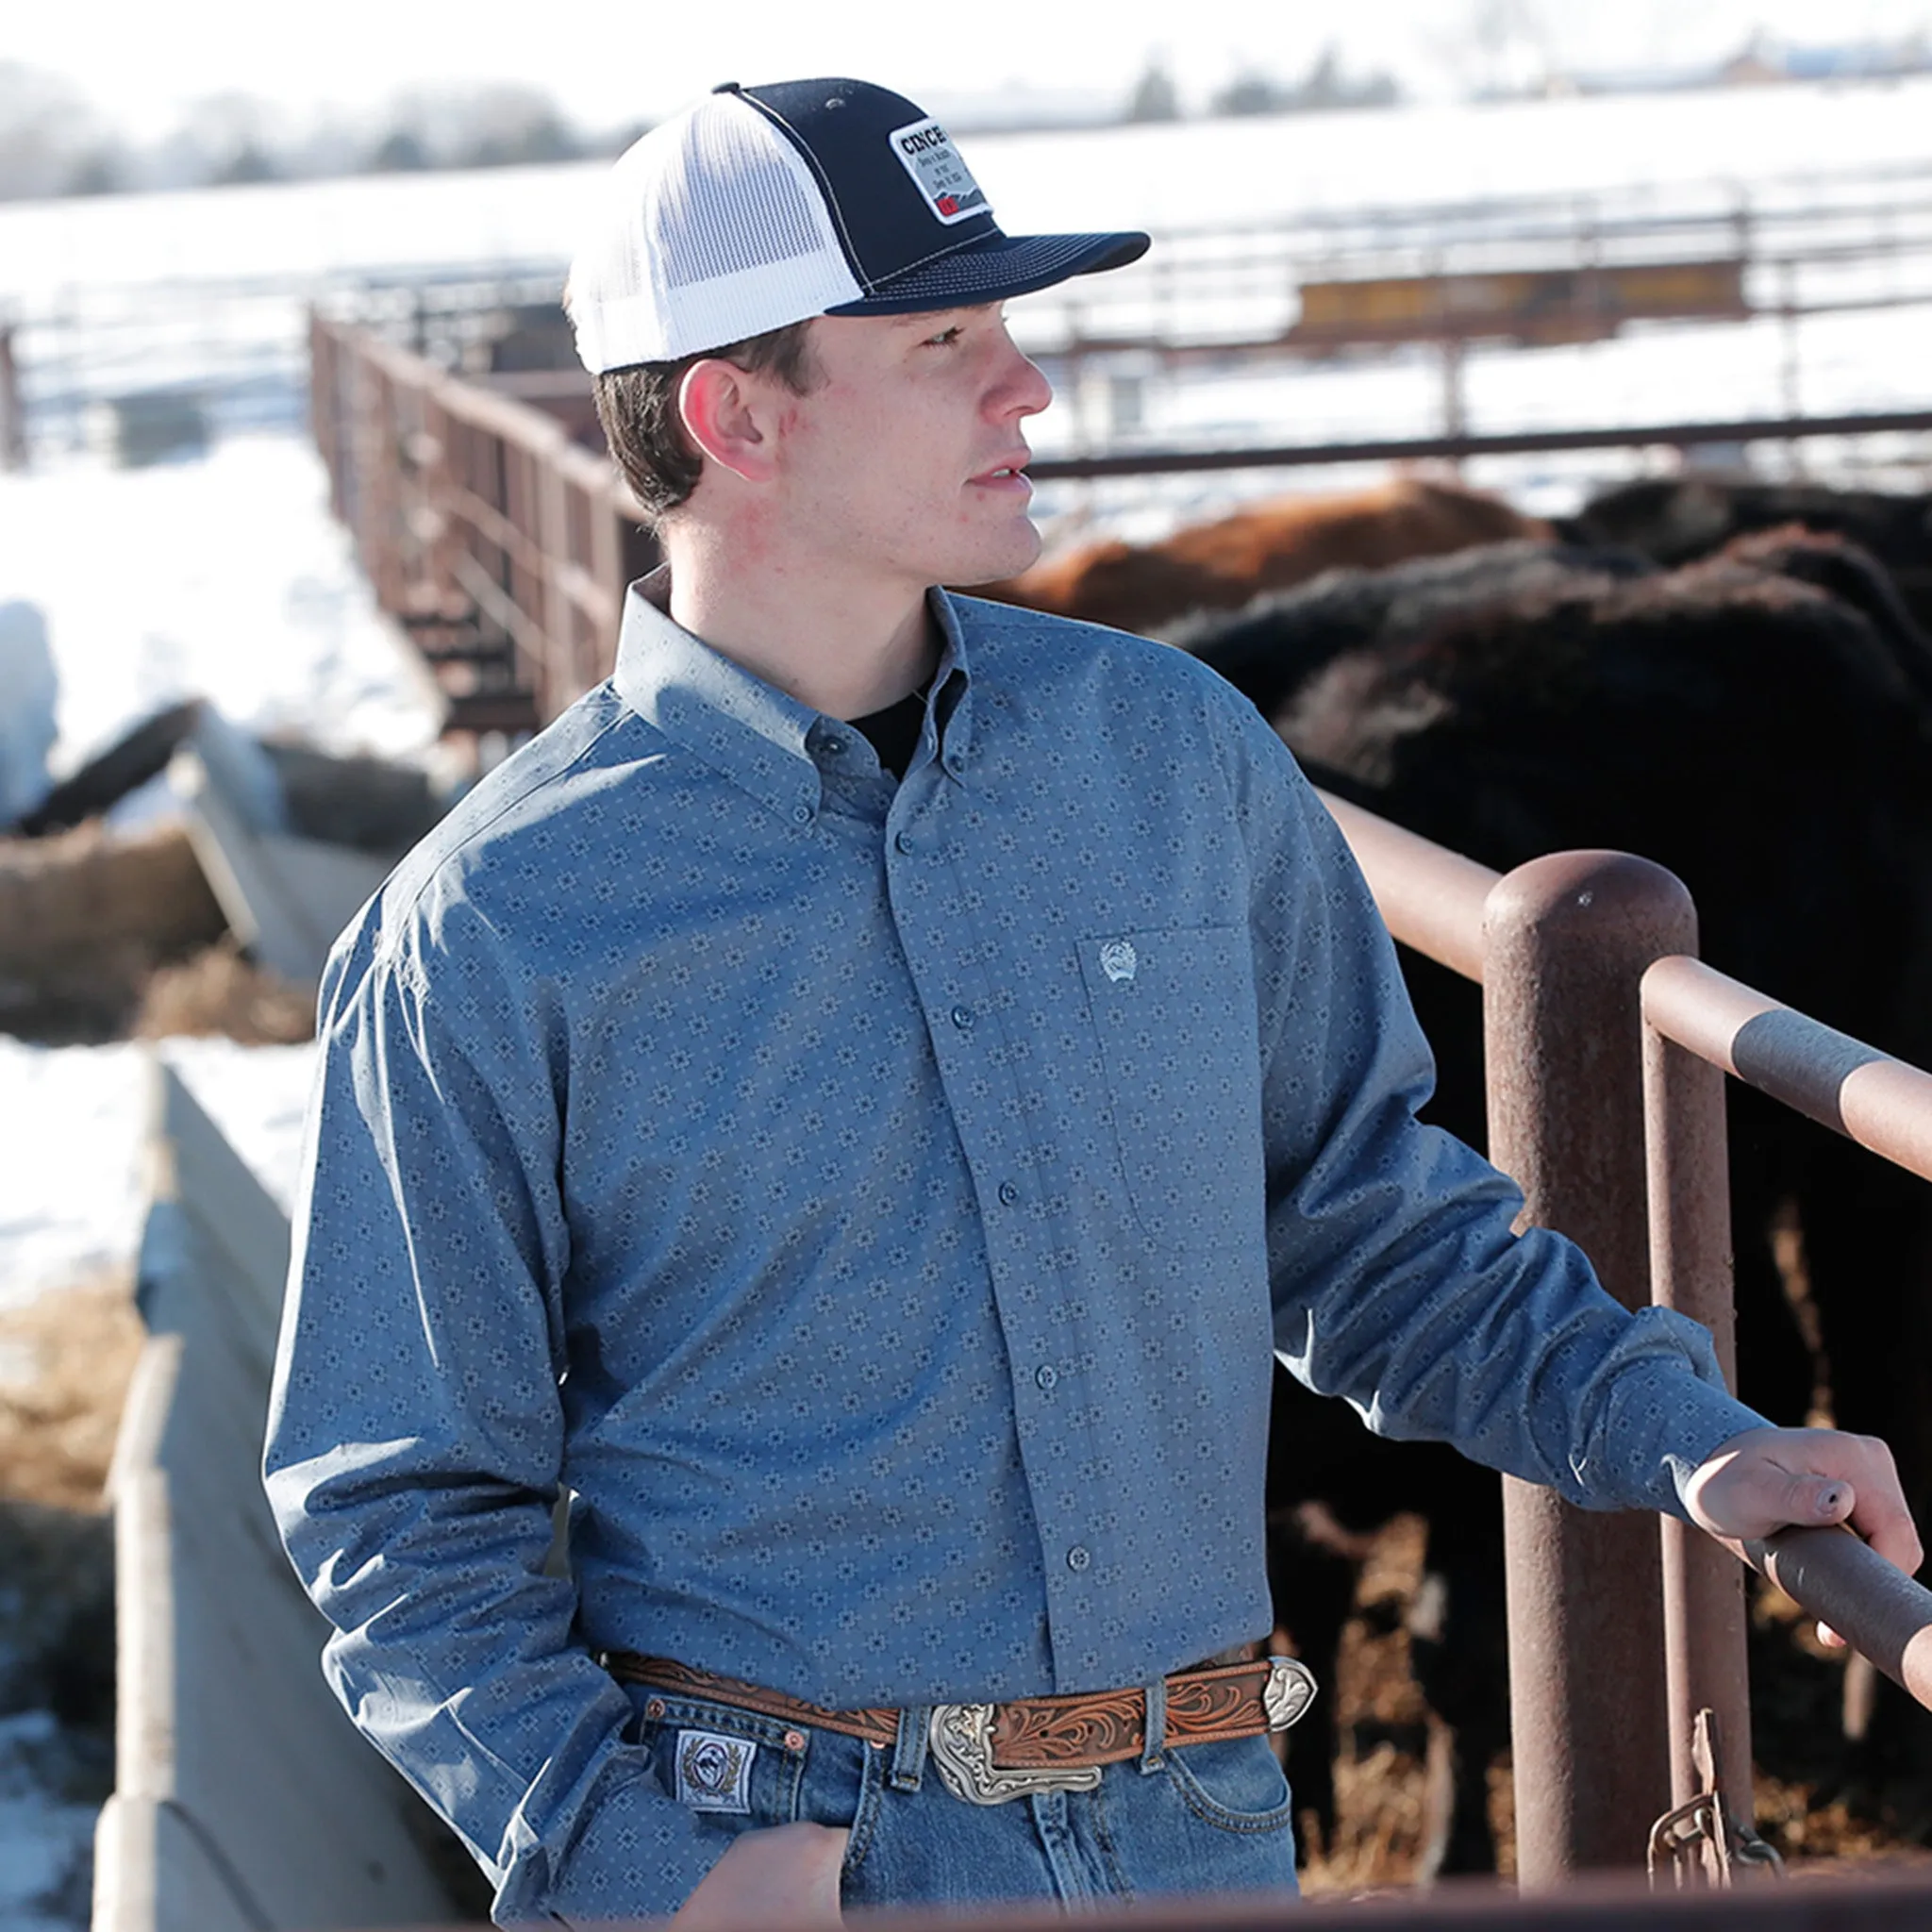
1175, 1012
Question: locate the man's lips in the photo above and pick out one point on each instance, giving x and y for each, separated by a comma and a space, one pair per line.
1008, 475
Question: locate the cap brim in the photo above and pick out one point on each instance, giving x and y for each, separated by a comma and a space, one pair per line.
994, 269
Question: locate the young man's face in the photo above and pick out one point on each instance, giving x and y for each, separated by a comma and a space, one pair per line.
901, 464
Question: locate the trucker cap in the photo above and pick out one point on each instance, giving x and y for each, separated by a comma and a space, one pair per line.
761, 206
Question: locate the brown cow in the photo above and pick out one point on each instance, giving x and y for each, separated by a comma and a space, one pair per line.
1264, 546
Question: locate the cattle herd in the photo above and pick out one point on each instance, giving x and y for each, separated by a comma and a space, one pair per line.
1732, 677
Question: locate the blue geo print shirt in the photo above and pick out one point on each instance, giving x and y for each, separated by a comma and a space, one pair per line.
874, 1206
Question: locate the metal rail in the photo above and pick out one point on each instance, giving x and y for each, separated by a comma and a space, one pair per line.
1879, 1101
1585, 968
1153, 462
498, 542
505, 544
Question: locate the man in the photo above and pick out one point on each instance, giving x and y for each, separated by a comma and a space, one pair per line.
854, 1103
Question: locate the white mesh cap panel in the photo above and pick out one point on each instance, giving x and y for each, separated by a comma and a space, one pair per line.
711, 228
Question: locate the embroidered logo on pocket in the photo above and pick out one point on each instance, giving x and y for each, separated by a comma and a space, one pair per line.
1118, 960
715, 1773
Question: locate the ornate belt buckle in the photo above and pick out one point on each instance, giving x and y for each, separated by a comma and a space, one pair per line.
1288, 1692
961, 1739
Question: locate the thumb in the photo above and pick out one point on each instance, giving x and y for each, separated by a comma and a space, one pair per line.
1820, 1499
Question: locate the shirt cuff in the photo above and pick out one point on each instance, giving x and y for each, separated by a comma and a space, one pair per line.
638, 1855
1667, 1412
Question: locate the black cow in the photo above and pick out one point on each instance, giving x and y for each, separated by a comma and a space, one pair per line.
1761, 723
1677, 520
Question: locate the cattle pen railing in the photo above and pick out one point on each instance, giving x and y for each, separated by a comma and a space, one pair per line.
1607, 1045
495, 537
498, 543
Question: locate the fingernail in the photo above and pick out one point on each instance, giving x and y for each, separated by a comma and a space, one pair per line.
1830, 1500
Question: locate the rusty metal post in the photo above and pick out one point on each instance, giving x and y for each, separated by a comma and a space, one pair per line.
1690, 1271
1566, 942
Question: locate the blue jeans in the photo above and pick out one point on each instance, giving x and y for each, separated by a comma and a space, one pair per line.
1200, 1818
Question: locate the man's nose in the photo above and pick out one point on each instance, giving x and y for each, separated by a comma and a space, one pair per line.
1021, 389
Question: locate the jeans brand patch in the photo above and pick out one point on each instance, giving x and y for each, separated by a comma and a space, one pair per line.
713, 1772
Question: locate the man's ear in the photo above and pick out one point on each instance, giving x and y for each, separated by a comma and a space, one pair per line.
719, 406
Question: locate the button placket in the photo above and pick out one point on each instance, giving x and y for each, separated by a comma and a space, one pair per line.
969, 1015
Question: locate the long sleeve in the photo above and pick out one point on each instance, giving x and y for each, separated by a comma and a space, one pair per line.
416, 1436
1397, 1281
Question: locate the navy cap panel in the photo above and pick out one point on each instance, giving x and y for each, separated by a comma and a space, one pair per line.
843, 128
1004, 267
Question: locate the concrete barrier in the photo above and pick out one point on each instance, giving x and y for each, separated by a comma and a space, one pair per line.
243, 1797
286, 897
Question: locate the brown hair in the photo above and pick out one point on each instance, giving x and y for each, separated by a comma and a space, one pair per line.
638, 407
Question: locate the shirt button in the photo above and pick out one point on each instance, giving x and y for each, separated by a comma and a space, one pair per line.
962, 1017
834, 746
1078, 1558
903, 841
1046, 1375
802, 814
1010, 1195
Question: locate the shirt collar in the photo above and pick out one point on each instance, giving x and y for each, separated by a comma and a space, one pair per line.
749, 730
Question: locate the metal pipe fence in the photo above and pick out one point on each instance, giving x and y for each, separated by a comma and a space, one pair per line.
498, 542
1536, 939
496, 532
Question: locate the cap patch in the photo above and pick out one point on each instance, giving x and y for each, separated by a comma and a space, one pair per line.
929, 157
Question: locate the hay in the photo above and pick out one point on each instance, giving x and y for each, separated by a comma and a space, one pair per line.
86, 917
217, 992
65, 1360
91, 888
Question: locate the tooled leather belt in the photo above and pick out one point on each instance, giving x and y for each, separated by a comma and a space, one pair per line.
991, 1752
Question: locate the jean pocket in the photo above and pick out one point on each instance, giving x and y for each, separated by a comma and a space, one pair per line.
1175, 1012
865, 1820
722, 1762
1236, 1786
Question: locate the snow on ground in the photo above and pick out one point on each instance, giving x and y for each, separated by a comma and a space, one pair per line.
47, 1834
75, 1174
224, 577
1180, 174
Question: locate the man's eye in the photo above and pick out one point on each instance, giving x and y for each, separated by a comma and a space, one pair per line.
946, 339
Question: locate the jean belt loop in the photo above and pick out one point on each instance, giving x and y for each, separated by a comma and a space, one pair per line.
1154, 1736
908, 1753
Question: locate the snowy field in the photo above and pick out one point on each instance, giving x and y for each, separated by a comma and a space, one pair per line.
222, 579
1178, 176
225, 576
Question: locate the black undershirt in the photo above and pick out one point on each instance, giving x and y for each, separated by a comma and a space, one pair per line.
893, 733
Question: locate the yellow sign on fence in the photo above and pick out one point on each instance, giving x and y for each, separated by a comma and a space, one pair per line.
1525, 305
